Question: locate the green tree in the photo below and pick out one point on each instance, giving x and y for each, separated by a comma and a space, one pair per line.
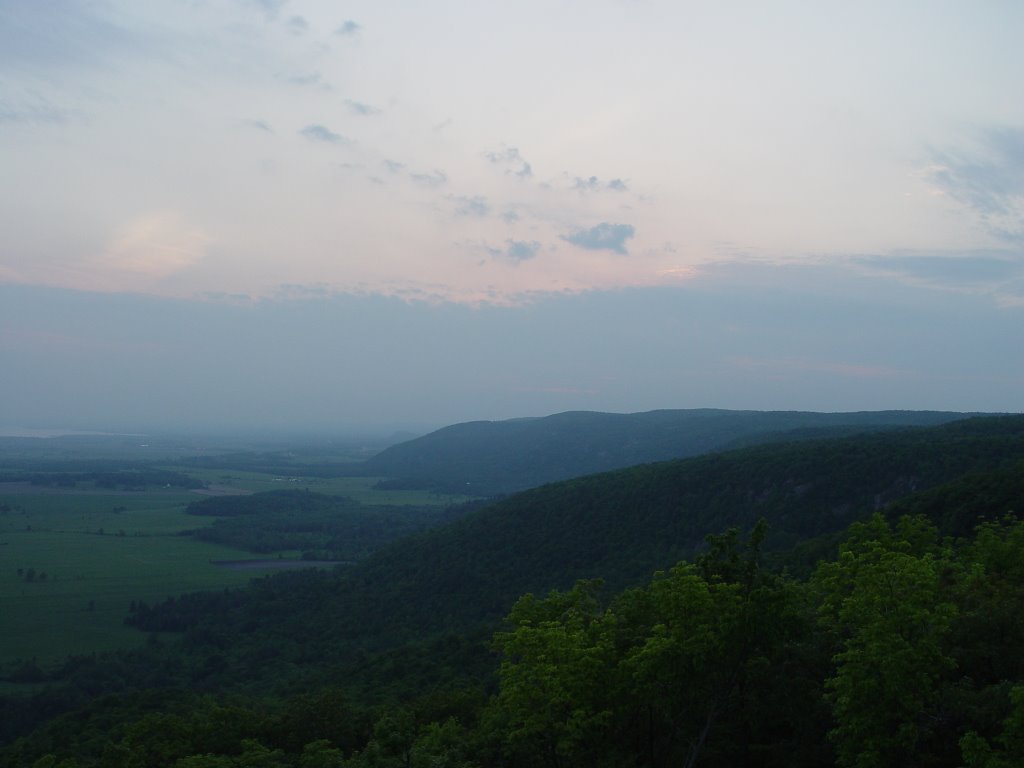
978, 753
554, 677
442, 745
320, 754
684, 672
705, 664
51, 761
884, 603
205, 761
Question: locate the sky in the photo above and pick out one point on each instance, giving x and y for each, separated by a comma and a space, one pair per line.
338, 215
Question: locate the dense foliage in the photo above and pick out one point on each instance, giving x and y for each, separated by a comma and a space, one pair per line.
903, 650
108, 479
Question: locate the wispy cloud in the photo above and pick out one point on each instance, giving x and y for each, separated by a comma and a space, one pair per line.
37, 113
359, 108
269, 7
521, 250
323, 133
259, 125
306, 79
434, 179
594, 184
513, 162
476, 205
603, 237
297, 25
515, 251
988, 179
348, 28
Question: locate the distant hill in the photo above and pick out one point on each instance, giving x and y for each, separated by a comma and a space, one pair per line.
497, 457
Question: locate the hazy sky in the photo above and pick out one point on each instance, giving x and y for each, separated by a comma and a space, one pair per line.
308, 214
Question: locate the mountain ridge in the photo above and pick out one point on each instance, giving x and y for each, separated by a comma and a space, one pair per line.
488, 458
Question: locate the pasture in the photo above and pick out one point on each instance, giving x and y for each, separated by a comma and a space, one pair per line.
73, 560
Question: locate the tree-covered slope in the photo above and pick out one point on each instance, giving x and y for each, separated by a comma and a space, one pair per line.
619, 526
622, 525
495, 457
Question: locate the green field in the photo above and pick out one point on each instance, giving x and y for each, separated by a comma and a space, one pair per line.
92, 552
90, 555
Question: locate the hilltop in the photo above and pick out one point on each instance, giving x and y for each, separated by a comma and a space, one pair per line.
488, 458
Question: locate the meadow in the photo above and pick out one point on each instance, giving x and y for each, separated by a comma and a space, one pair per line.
71, 563
73, 560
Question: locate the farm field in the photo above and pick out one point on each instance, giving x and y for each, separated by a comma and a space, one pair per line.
73, 560
75, 554
71, 564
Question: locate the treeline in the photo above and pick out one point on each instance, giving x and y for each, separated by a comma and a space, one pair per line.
276, 463
108, 479
903, 650
320, 526
289, 501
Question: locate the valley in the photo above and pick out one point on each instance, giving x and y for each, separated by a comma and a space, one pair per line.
448, 629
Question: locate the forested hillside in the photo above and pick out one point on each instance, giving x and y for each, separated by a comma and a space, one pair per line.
621, 526
496, 457
902, 646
